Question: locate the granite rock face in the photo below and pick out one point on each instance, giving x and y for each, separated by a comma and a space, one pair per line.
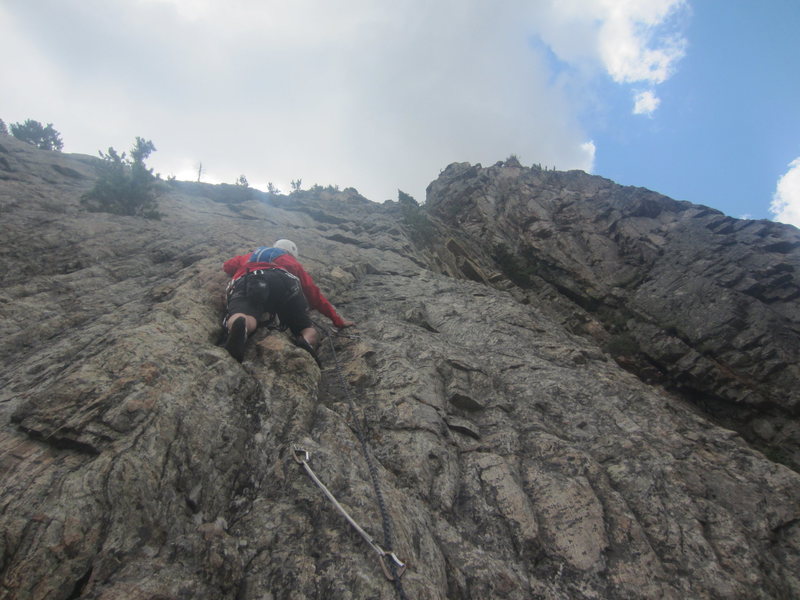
517, 458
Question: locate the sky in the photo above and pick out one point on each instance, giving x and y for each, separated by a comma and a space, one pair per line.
696, 99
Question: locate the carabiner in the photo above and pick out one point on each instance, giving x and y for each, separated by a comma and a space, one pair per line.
400, 566
297, 451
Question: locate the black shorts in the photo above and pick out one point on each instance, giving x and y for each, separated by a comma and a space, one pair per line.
270, 291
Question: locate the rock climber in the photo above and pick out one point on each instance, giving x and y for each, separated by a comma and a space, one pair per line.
271, 279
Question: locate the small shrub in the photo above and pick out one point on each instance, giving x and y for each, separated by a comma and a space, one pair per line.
232, 194
33, 132
324, 188
421, 229
623, 344
125, 185
406, 199
3, 128
514, 267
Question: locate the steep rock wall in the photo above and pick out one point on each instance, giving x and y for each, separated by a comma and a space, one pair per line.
516, 458
679, 293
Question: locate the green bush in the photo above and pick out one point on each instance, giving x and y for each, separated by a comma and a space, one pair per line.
623, 344
406, 199
326, 188
33, 132
420, 228
231, 194
125, 185
516, 268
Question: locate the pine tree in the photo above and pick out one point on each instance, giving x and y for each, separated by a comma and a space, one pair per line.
125, 186
33, 132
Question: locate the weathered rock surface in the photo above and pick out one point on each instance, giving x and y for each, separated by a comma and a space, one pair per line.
516, 457
681, 294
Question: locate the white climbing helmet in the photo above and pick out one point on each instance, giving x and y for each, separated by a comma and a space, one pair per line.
287, 245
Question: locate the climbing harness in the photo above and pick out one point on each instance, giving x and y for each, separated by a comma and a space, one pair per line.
256, 288
247, 278
302, 457
393, 568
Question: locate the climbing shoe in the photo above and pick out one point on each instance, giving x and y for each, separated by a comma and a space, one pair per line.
237, 336
303, 343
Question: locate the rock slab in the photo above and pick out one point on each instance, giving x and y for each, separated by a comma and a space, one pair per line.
517, 458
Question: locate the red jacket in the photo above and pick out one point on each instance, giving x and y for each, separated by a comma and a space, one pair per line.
238, 266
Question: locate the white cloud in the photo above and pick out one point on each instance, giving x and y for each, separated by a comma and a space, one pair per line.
589, 150
785, 205
632, 41
632, 45
645, 103
378, 96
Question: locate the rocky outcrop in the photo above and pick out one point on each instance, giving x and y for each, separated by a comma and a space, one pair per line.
516, 458
680, 294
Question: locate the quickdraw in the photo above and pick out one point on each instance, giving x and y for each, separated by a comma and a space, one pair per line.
393, 568
392, 571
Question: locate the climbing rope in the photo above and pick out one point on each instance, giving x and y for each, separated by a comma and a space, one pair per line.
395, 568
